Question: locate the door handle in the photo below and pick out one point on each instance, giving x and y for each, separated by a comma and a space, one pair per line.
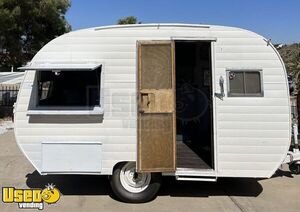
145, 102
145, 99
222, 92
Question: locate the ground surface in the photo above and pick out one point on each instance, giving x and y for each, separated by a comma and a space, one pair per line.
5, 125
92, 193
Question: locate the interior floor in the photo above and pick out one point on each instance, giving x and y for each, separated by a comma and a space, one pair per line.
187, 158
194, 105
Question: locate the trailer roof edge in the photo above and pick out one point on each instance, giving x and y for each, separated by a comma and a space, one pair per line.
151, 25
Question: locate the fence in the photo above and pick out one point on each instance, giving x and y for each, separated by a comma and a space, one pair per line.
8, 96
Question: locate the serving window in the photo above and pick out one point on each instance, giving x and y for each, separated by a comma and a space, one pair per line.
69, 88
245, 83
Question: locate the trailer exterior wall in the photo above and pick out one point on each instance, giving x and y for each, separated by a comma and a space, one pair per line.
252, 133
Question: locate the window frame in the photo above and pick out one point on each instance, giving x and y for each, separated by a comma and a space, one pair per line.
36, 109
230, 94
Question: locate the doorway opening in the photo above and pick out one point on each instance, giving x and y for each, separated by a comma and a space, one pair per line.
194, 108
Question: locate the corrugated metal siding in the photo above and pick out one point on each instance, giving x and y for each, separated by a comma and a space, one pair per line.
252, 133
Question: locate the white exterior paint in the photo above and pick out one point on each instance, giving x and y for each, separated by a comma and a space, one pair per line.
72, 156
252, 134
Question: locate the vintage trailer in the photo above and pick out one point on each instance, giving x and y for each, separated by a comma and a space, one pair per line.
136, 102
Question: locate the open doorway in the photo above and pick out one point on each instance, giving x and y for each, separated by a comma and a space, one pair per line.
194, 115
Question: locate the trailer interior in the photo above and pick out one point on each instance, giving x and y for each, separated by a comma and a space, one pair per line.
194, 114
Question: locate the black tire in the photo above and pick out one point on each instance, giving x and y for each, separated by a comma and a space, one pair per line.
126, 196
294, 168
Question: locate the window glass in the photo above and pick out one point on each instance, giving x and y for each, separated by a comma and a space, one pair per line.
244, 83
69, 88
45, 89
252, 82
236, 80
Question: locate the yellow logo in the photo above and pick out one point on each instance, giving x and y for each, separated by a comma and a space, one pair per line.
31, 198
50, 194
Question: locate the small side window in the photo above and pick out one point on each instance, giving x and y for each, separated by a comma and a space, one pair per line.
244, 83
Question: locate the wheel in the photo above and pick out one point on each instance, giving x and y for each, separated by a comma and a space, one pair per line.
294, 168
131, 186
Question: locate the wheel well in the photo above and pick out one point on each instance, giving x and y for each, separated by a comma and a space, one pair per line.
121, 162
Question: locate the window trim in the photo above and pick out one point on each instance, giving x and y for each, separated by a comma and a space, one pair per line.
35, 109
229, 94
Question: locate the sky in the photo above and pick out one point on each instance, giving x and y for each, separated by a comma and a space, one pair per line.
278, 20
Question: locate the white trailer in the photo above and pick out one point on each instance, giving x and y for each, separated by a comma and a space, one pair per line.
136, 102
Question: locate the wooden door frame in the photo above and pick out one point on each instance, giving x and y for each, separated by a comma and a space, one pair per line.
173, 78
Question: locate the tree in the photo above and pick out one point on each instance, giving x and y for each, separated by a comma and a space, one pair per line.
294, 68
129, 20
27, 25
291, 57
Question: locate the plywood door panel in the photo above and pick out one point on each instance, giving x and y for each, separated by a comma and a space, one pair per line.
157, 101
156, 107
156, 142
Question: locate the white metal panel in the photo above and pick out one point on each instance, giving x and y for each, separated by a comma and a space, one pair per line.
249, 127
253, 118
79, 131
71, 157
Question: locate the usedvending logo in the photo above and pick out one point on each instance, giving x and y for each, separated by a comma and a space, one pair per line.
31, 198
